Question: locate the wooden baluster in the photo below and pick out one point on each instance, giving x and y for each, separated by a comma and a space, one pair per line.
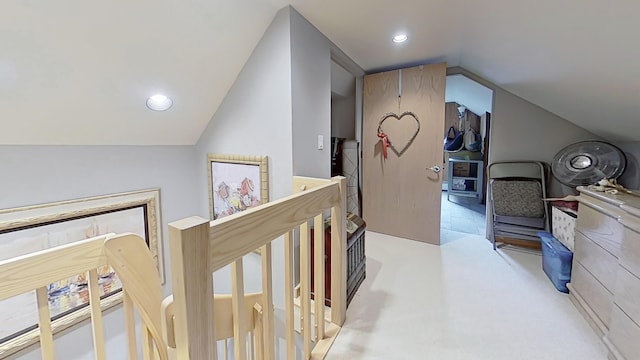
305, 288
319, 290
130, 326
96, 316
238, 308
252, 347
259, 335
339, 256
268, 317
147, 343
44, 322
288, 294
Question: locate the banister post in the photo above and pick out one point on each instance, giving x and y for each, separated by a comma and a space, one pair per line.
339, 255
192, 281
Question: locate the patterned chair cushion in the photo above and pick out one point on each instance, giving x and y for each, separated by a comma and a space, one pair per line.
517, 198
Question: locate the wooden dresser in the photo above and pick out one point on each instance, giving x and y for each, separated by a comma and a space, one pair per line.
605, 281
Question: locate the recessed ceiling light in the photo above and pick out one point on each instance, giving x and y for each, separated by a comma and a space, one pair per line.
159, 102
400, 38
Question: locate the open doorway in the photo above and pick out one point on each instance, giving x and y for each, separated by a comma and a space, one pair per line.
467, 116
344, 140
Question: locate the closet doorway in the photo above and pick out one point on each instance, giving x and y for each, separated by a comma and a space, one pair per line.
468, 111
345, 142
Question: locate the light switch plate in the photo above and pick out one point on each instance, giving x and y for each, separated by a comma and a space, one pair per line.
320, 142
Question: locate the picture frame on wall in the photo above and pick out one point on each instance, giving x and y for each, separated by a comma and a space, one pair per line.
29, 229
236, 183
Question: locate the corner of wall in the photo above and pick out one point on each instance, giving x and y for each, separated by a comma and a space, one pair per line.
311, 98
255, 116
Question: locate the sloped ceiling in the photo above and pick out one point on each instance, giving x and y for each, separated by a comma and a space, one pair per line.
468, 93
79, 72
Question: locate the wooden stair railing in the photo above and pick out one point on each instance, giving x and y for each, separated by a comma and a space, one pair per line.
199, 247
140, 280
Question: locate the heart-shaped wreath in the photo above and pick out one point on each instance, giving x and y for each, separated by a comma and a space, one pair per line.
386, 142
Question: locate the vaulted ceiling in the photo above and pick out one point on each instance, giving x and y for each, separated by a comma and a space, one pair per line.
79, 72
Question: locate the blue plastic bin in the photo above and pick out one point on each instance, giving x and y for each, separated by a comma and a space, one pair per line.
556, 261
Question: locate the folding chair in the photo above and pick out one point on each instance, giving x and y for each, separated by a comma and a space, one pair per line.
516, 193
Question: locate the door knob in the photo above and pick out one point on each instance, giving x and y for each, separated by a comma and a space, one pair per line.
436, 169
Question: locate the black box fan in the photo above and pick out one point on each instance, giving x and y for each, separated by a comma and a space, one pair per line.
587, 162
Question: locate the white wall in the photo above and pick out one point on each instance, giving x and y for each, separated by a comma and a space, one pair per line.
521, 130
310, 98
255, 116
631, 176
343, 102
476, 97
343, 116
255, 119
343, 83
41, 174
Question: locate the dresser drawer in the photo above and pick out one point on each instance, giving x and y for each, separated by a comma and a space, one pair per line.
627, 295
599, 299
630, 254
603, 229
600, 263
624, 334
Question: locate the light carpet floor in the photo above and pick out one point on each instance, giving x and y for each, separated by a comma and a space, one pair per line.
460, 301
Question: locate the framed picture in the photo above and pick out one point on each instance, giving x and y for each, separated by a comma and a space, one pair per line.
33, 228
236, 183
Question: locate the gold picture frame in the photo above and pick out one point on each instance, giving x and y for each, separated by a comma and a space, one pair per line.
236, 183
33, 228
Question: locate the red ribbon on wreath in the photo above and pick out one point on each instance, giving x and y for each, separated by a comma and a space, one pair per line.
385, 143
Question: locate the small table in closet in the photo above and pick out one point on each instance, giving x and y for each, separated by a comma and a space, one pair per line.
465, 178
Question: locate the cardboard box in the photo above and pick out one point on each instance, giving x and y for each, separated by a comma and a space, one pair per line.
462, 169
563, 226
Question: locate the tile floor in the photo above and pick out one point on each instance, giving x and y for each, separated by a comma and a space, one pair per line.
460, 301
462, 214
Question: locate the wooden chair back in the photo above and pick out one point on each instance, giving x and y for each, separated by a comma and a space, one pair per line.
224, 324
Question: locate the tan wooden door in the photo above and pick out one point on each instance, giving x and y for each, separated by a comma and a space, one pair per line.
401, 196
